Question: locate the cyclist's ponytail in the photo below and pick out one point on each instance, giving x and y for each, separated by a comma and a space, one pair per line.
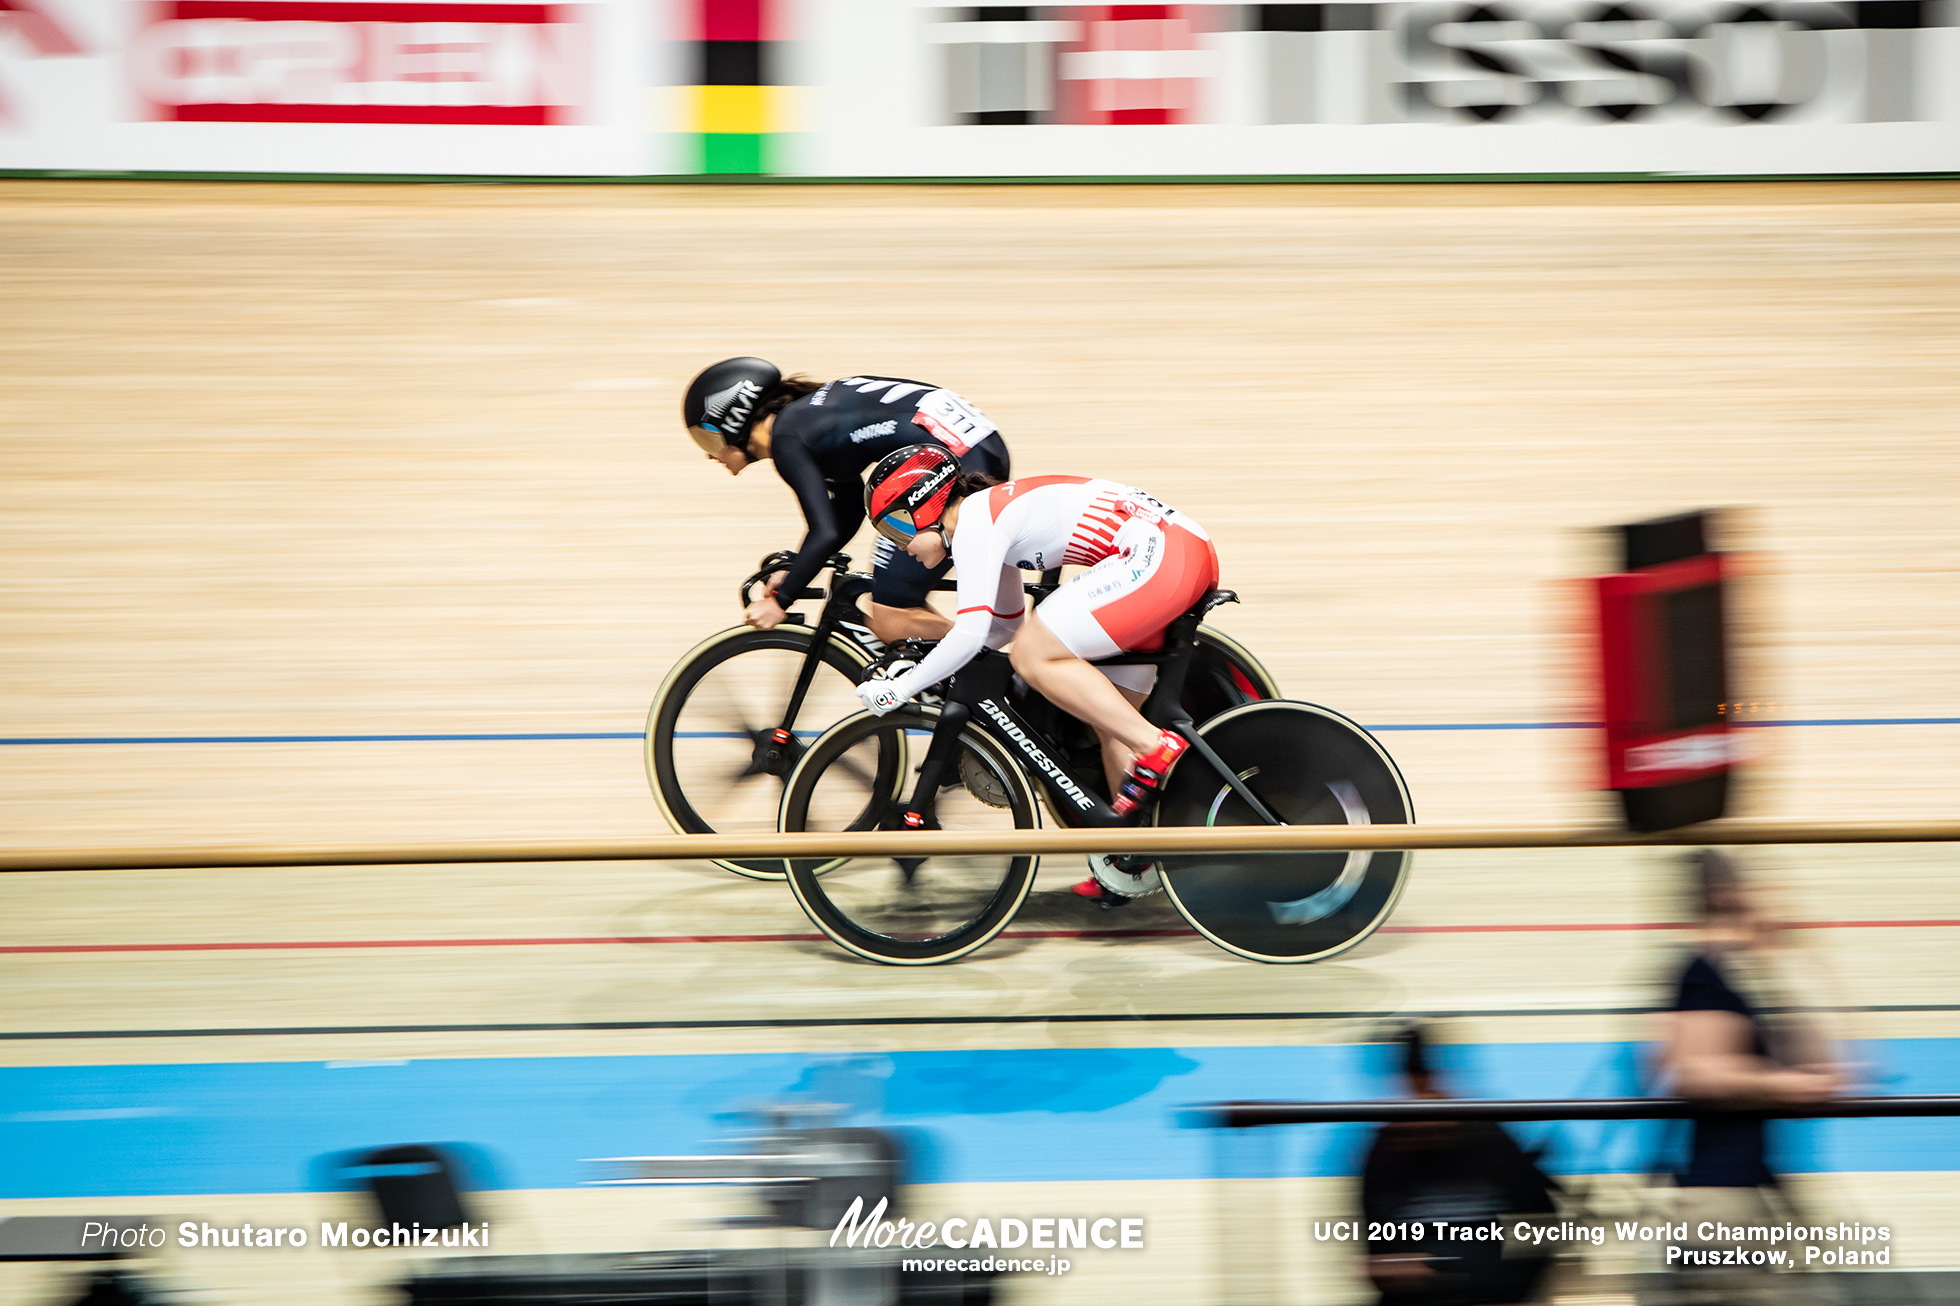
782, 394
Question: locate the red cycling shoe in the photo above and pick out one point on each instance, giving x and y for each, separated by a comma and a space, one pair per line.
1099, 893
1147, 771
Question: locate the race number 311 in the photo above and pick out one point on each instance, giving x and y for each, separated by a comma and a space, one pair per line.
957, 424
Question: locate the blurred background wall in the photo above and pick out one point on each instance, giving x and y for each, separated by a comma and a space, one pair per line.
896, 88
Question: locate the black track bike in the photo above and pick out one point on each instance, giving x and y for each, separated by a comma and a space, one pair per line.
994, 751
739, 710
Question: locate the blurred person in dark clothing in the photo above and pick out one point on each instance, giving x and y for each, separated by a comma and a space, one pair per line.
1464, 1173
1724, 1052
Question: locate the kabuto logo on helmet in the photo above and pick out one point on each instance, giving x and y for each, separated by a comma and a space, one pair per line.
908, 490
931, 483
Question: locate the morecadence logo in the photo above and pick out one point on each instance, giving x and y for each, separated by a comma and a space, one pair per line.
966, 1233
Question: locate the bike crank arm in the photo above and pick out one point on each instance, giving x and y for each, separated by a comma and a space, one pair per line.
1206, 751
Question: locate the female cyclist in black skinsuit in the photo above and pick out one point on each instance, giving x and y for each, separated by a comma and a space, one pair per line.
821, 438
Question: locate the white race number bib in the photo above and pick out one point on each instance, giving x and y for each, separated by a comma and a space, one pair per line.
957, 424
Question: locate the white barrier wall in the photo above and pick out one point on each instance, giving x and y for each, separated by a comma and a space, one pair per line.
897, 88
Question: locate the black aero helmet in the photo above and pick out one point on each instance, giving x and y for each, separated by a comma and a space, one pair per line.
722, 401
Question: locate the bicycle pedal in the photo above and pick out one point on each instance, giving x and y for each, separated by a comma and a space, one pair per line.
1126, 876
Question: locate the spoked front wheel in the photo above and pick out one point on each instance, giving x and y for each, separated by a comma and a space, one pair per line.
713, 759
908, 911
1309, 766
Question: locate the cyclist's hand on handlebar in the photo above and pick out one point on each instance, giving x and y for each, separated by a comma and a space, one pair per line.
878, 696
764, 614
771, 579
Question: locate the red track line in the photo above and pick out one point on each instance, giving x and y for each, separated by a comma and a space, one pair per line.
304, 945
1579, 928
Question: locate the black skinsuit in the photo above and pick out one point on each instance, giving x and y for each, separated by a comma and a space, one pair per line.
822, 443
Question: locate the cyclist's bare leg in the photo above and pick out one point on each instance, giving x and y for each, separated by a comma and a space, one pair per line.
894, 624
1079, 689
1116, 757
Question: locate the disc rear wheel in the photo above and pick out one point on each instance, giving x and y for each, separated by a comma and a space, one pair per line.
1308, 766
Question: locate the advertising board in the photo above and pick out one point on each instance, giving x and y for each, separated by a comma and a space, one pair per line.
323, 86
1355, 87
901, 88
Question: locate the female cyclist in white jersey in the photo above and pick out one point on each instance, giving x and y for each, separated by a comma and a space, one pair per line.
1147, 563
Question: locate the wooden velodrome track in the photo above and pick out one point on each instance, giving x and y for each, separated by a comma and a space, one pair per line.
316, 466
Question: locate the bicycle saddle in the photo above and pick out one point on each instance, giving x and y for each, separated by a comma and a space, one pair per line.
1212, 599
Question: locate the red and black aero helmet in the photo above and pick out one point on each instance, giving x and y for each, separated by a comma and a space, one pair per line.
909, 491
722, 401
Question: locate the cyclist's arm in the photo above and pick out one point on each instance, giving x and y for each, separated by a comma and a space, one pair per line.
980, 558
1010, 607
831, 522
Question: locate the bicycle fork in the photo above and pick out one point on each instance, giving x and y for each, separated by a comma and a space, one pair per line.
780, 753
921, 813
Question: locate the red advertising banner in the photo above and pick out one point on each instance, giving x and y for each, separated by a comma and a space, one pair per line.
362, 61
1663, 686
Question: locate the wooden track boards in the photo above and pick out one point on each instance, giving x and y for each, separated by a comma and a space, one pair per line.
321, 460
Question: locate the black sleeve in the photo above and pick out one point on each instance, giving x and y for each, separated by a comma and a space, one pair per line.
1526, 1189
1387, 1179
1702, 988
847, 506
826, 518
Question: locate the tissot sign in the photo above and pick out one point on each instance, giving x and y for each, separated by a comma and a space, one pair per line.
1352, 87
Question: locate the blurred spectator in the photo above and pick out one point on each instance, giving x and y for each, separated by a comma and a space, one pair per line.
1722, 1051
1460, 1172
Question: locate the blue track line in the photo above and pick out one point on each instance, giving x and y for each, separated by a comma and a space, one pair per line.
1482, 725
59, 741
1007, 1115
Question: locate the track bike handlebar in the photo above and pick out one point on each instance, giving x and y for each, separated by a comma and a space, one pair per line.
780, 561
